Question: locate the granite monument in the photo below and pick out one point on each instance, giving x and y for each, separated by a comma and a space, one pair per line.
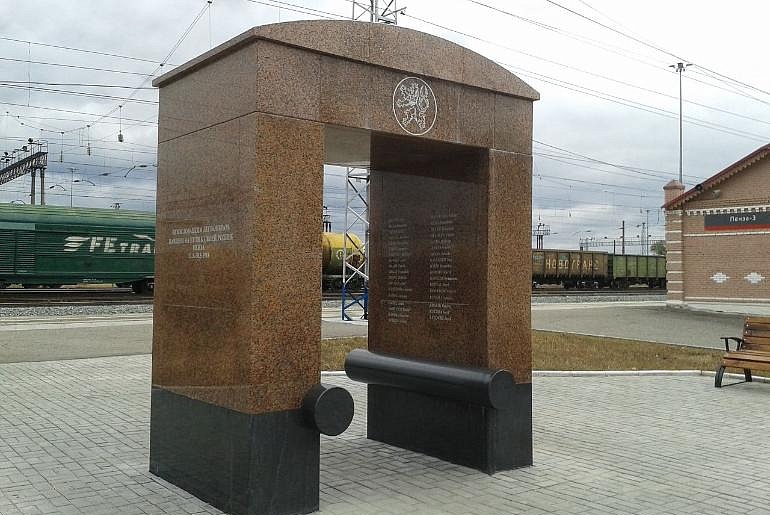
244, 132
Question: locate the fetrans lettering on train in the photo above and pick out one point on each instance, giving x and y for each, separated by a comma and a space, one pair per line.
138, 244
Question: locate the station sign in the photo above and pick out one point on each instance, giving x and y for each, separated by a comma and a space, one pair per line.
737, 221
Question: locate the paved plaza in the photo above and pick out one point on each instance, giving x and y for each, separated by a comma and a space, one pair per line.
647, 321
74, 440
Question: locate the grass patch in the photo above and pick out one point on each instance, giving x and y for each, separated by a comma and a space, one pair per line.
333, 351
565, 351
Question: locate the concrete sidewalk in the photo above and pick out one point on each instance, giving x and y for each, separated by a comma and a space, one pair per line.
74, 440
648, 321
91, 336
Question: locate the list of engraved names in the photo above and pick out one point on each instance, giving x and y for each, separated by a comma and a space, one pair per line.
398, 250
442, 287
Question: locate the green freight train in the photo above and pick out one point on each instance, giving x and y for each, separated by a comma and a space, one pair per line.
51, 245
577, 268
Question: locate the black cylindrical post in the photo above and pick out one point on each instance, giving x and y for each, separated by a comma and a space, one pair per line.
483, 387
328, 408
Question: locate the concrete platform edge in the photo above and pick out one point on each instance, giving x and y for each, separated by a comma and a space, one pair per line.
757, 308
608, 373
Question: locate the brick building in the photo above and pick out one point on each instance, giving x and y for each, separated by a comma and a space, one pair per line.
718, 238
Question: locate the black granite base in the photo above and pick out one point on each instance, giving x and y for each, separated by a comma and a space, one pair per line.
483, 438
266, 464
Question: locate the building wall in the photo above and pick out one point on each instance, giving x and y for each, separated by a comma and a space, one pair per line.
749, 186
674, 269
726, 266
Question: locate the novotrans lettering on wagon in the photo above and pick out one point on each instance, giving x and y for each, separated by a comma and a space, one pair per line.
134, 244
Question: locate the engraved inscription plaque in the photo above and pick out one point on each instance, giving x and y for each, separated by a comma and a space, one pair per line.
427, 260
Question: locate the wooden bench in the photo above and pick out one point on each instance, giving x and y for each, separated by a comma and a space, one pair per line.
752, 352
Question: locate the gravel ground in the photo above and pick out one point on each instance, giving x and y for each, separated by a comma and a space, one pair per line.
57, 311
53, 311
559, 299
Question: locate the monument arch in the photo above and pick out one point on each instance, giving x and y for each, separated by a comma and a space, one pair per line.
447, 136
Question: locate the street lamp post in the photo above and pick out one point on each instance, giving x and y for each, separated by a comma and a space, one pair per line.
679, 68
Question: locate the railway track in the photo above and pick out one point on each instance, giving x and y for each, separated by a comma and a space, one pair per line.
14, 297
17, 297
571, 292
598, 293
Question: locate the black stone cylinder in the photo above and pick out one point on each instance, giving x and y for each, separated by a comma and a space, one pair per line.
479, 386
329, 409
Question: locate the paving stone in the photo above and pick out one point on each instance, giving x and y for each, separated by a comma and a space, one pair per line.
74, 440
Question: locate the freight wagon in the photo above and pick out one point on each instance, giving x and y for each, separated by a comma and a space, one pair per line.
624, 270
51, 246
589, 269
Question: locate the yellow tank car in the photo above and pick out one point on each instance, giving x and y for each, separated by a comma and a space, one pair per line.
333, 254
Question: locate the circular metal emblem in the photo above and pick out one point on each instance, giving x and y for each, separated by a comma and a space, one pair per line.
414, 106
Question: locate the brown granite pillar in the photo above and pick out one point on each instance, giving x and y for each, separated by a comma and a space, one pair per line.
238, 240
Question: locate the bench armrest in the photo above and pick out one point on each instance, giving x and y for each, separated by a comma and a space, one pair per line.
738, 342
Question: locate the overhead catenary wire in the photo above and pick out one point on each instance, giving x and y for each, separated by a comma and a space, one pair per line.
300, 9
623, 101
636, 105
74, 66
72, 111
75, 84
77, 93
594, 74
158, 68
663, 173
653, 46
82, 50
623, 52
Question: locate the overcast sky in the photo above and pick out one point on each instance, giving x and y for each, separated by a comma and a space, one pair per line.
569, 59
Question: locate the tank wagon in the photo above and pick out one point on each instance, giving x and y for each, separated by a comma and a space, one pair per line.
591, 269
51, 246
333, 252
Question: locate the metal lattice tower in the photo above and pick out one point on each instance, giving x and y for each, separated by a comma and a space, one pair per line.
29, 159
540, 233
376, 11
355, 269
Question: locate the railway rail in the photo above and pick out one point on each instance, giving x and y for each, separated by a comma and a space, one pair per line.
17, 297
599, 293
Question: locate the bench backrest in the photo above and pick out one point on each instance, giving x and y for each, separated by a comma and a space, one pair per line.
756, 334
